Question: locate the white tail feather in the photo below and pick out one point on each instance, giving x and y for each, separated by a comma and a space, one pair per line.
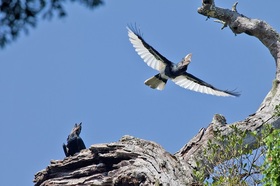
155, 83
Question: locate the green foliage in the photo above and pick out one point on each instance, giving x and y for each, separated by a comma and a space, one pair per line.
277, 111
237, 164
234, 164
19, 15
271, 166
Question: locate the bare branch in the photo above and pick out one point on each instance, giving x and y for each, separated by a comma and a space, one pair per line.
222, 22
234, 7
239, 23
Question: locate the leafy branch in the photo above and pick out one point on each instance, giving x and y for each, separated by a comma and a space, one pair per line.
21, 15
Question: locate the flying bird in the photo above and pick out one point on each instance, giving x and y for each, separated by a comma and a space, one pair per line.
169, 70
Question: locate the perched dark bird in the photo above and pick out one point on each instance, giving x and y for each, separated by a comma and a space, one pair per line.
74, 141
168, 70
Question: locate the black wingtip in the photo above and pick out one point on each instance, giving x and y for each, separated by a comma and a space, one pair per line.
233, 93
135, 29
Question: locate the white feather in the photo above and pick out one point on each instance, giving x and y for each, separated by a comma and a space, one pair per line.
202, 89
191, 85
184, 82
144, 52
155, 83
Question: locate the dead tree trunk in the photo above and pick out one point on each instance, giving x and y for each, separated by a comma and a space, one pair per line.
133, 161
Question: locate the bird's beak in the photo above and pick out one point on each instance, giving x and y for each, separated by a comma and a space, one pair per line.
188, 57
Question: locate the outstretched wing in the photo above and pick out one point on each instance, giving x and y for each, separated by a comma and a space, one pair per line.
150, 56
189, 81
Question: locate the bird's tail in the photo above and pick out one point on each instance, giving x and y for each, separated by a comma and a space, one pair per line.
156, 82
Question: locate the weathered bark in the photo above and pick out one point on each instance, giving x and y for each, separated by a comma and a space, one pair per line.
130, 161
133, 161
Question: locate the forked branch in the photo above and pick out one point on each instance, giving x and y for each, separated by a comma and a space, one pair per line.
239, 23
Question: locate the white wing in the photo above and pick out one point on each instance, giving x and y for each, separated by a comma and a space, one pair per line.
191, 82
150, 56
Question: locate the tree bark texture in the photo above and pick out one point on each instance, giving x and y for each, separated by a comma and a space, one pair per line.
133, 161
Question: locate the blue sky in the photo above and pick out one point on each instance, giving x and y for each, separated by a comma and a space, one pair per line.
84, 69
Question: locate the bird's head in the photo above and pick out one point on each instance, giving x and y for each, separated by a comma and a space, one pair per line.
77, 129
184, 63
